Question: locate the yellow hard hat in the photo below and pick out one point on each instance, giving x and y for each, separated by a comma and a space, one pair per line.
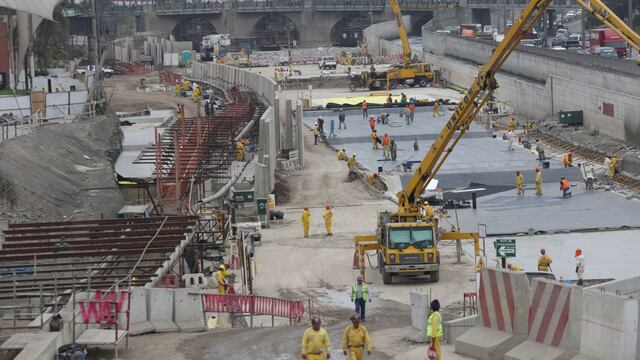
221, 267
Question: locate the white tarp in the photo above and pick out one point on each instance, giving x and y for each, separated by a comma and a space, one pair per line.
43, 8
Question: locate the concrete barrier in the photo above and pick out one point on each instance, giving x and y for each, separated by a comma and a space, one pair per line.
503, 302
453, 329
138, 314
419, 313
555, 317
187, 310
160, 309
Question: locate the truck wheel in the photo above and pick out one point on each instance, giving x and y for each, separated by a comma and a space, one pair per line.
434, 276
387, 278
422, 82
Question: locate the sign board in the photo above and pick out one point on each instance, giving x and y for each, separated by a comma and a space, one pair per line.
482, 230
505, 247
262, 206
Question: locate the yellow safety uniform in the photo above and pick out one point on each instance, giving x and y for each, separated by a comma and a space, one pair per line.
429, 211
341, 155
186, 85
612, 166
435, 331
178, 88
316, 132
196, 93
315, 344
221, 280
327, 215
512, 124
351, 163
539, 183
354, 341
372, 179
374, 140
544, 261
239, 151
436, 109
516, 268
306, 220
520, 184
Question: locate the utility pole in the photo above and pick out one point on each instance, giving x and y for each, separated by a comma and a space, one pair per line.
96, 42
630, 22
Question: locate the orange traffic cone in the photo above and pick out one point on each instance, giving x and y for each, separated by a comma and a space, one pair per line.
356, 261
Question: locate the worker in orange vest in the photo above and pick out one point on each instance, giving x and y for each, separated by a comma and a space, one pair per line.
567, 160
374, 140
386, 151
365, 109
436, 108
566, 189
372, 123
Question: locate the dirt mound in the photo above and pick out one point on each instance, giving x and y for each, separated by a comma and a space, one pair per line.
60, 171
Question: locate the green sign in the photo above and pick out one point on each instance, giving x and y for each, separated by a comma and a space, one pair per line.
505, 247
262, 206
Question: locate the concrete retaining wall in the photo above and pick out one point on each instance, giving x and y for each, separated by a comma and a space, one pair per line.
187, 310
138, 315
160, 309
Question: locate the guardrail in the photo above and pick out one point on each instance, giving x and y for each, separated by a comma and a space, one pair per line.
267, 5
521, 3
426, 5
349, 5
253, 305
186, 8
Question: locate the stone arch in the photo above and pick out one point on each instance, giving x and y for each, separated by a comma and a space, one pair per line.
348, 30
193, 29
419, 22
274, 31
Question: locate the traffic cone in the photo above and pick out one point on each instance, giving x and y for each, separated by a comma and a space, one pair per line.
356, 261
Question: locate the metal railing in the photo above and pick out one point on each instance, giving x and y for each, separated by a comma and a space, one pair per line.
104, 10
426, 4
187, 7
268, 5
555, 3
348, 5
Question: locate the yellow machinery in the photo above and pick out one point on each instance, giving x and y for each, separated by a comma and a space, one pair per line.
407, 73
406, 240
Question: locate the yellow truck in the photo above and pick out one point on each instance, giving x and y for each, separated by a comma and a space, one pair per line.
399, 75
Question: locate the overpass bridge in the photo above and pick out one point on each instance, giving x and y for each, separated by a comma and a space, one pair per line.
275, 23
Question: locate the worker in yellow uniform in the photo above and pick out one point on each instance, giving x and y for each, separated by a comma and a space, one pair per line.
612, 166
372, 179
519, 183
196, 93
327, 215
186, 85
221, 279
306, 220
239, 151
512, 124
538, 182
544, 261
342, 154
434, 328
513, 267
354, 340
428, 210
178, 88
315, 342
352, 164
374, 140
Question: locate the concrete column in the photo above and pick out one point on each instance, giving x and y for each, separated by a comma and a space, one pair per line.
419, 313
288, 120
299, 138
277, 123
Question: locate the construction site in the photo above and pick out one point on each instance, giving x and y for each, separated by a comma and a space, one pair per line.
197, 195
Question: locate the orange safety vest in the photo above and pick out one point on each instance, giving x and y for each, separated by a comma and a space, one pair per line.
412, 107
365, 106
436, 106
564, 184
385, 140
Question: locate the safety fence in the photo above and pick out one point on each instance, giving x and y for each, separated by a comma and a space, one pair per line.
254, 305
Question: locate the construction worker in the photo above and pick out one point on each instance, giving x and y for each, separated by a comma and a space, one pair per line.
374, 140
544, 261
306, 220
436, 109
434, 328
510, 140
372, 179
365, 109
540, 150
196, 93
565, 187
579, 266
354, 340
342, 154
428, 210
320, 123
519, 183
239, 151
221, 279
567, 160
607, 165
178, 88
389, 99
538, 181
612, 166
186, 85
513, 267
315, 342
352, 164
316, 134
512, 124
327, 215
372, 123
341, 117
394, 150
386, 149
412, 109
360, 294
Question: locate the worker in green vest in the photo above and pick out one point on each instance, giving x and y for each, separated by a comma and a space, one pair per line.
360, 294
434, 328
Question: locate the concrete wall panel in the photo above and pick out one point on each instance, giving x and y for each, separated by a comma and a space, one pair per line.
187, 310
139, 317
160, 309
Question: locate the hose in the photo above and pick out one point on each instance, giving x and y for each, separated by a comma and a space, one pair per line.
369, 260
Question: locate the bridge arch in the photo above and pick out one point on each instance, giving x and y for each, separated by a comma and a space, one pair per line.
347, 31
274, 31
419, 22
193, 29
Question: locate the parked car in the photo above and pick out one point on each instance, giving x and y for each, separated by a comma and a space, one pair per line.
107, 72
328, 62
606, 51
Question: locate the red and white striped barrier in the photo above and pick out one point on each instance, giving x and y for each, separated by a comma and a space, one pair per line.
503, 313
554, 324
251, 304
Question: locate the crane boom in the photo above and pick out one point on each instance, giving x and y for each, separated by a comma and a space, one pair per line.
404, 39
483, 87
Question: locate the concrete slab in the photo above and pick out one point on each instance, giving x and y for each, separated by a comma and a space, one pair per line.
160, 309
486, 344
187, 310
100, 337
18, 341
40, 348
531, 350
37, 322
139, 318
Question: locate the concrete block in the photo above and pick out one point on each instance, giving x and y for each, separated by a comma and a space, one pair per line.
160, 309
187, 310
453, 329
503, 316
42, 348
138, 314
532, 350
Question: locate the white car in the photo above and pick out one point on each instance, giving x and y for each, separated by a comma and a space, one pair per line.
328, 62
571, 13
558, 48
106, 72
